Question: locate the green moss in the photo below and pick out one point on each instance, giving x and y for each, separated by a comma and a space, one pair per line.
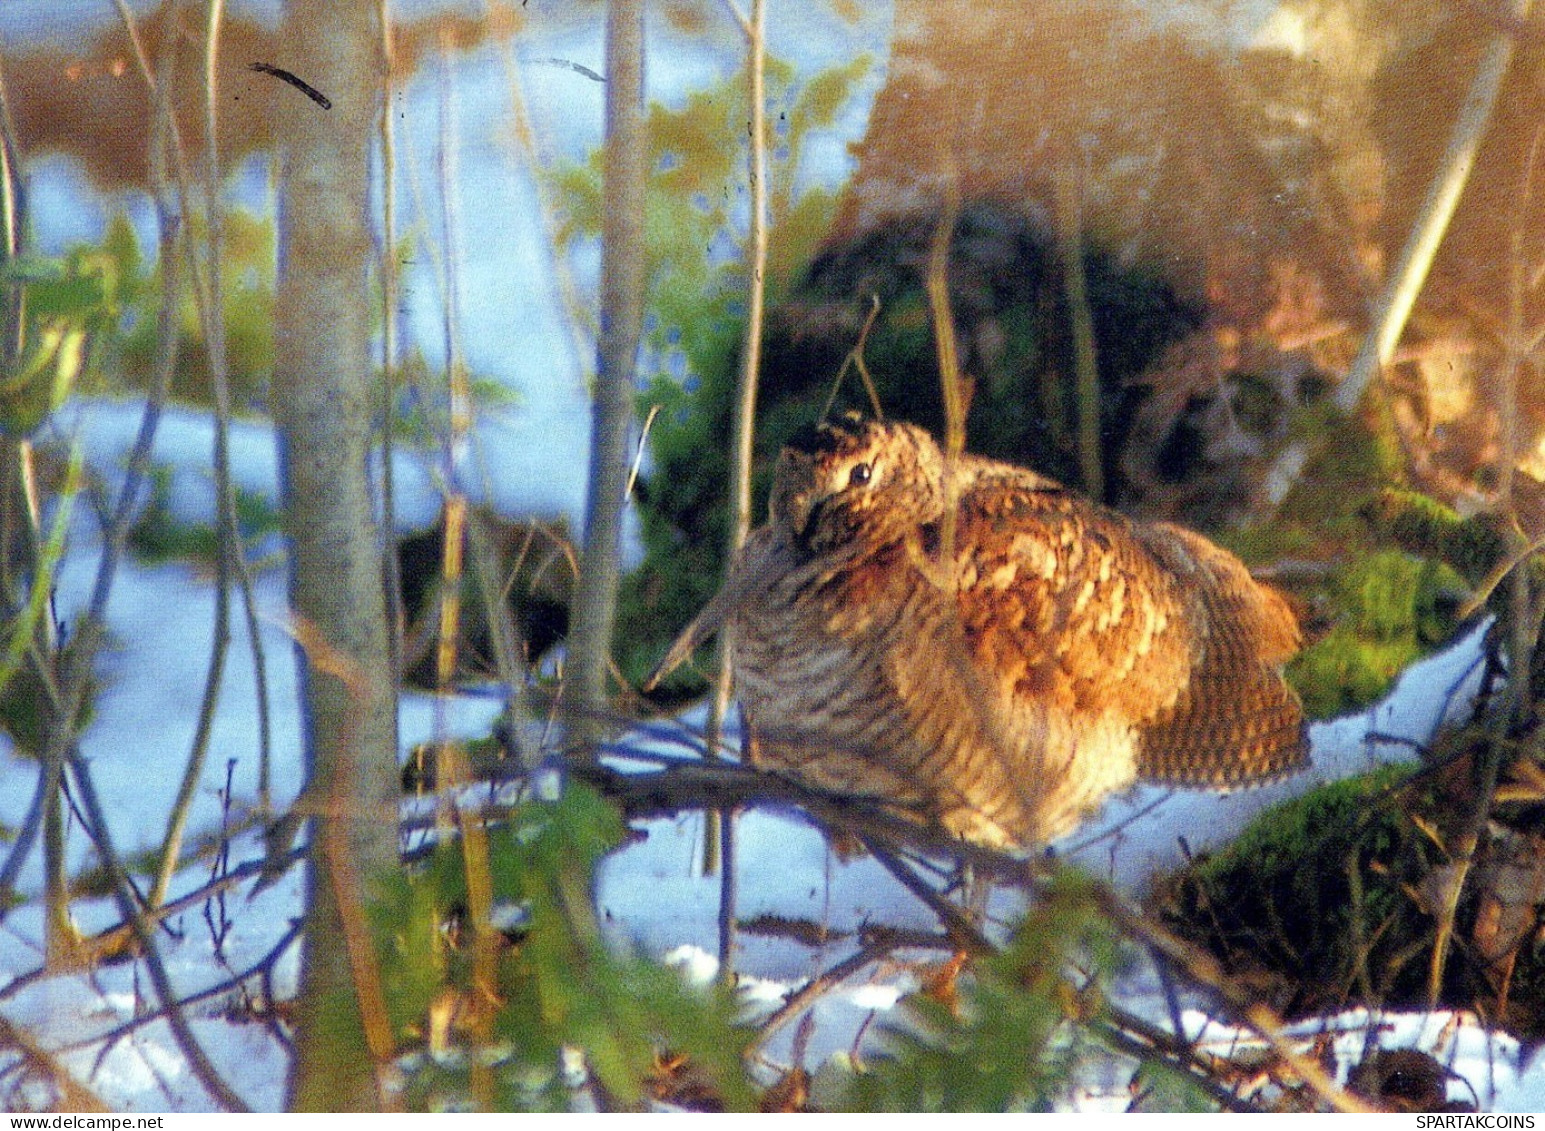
1377, 607
1387, 609
159, 536
1421, 525
1324, 901
1388, 595
1316, 893
1348, 463
1264, 543
1344, 672
1328, 818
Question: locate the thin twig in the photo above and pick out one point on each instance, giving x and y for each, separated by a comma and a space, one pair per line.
957, 924
638, 452
198, 1063
729, 890
237, 980
208, 292
855, 360
1499, 573
1409, 274
1069, 185
109, 939
740, 17
951, 380
73, 1095
1128, 1033
813, 990
742, 432
454, 514
580, 320
1448, 184
391, 287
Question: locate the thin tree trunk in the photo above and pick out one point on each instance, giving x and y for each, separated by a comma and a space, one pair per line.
1075, 288
622, 312
323, 401
719, 847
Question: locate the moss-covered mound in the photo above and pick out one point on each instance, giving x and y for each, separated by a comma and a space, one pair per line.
1336, 899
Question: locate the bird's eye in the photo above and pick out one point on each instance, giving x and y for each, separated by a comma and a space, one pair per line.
860, 475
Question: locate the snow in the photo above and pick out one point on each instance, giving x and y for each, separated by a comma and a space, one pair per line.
653, 891
1152, 830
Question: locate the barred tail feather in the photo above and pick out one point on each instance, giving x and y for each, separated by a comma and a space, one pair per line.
1231, 727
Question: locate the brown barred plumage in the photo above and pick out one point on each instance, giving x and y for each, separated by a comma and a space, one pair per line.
1002, 690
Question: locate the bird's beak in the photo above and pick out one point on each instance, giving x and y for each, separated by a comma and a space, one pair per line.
803, 513
799, 508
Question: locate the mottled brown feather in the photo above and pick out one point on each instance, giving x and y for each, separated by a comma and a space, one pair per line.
1002, 688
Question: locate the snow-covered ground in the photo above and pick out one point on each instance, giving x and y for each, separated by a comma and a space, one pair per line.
160, 619
653, 890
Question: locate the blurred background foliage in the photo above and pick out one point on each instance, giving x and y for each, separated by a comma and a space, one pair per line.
1238, 199
1239, 185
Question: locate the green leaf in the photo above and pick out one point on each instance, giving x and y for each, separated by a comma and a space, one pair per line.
1013, 1042
46, 373
562, 985
20, 703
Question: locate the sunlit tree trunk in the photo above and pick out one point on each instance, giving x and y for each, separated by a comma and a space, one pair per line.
322, 407
622, 312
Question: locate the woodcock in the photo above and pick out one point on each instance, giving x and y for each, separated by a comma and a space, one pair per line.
1000, 675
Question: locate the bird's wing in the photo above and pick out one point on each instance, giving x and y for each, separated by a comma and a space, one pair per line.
1237, 720
1076, 609
1259, 615
1062, 604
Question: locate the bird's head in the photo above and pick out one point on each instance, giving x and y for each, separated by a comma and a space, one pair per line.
855, 480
